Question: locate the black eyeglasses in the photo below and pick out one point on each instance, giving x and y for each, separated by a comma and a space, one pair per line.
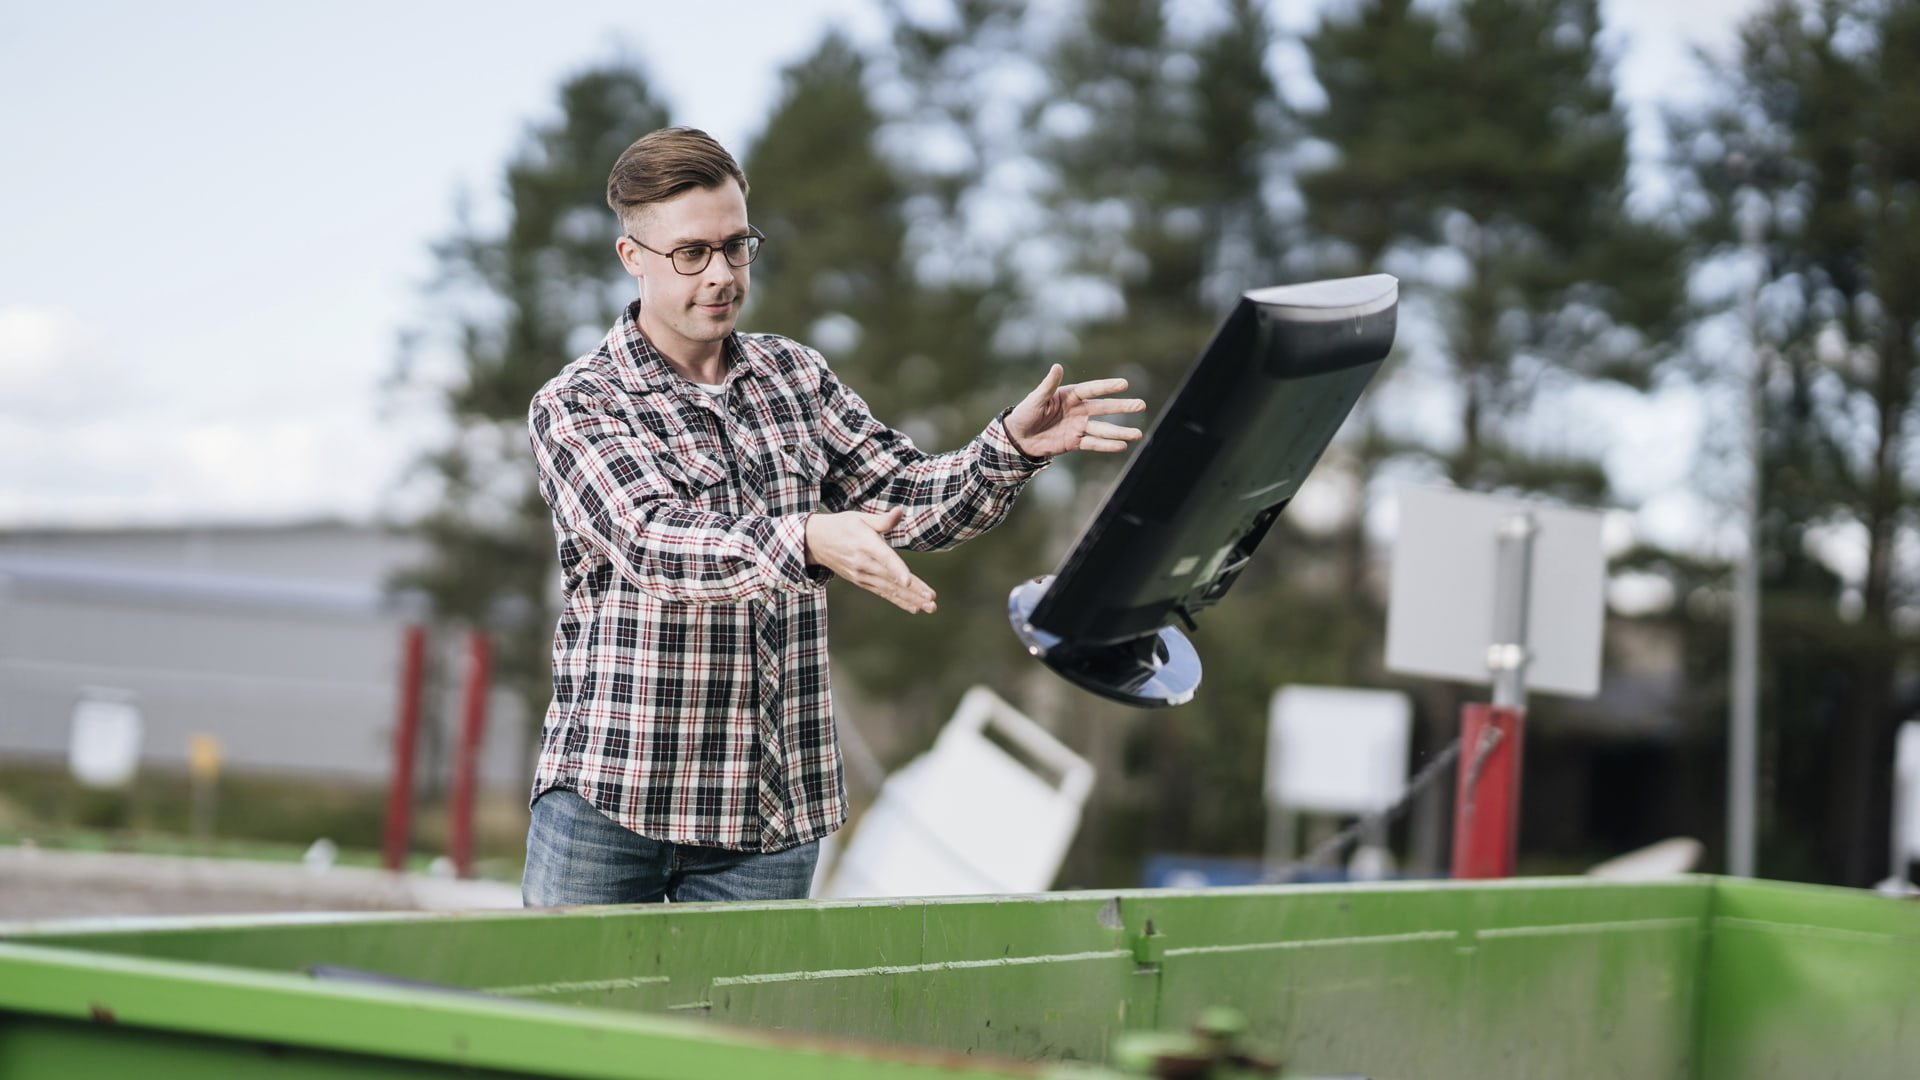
694, 258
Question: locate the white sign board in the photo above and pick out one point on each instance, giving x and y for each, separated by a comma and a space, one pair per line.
1336, 750
1440, 616
104, 748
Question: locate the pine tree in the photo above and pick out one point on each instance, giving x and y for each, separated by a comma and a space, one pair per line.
837, 274
1475, 149
1478, 147
512, 307
1157, 148
1163, 143
1818, 136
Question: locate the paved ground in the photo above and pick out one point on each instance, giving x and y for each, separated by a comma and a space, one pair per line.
41, 885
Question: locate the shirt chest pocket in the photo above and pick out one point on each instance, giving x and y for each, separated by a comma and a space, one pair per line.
697, 477
793, 483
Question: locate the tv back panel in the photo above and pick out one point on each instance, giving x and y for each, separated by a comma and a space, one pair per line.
1216, 469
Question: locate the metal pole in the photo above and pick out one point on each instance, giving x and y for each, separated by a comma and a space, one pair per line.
6, 646
1486, 812
1906, 809
466, 755
1513, 567
1897, 876
406, 728
1743, 722
1280, 828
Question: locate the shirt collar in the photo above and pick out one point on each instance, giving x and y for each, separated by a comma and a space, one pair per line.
644, 370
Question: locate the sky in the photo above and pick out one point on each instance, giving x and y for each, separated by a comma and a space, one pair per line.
215, 220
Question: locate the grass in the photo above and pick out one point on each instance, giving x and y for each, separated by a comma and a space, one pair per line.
256, 816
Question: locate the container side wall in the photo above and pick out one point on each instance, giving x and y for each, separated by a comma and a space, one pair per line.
67, 1014
36, 1048
1803, 981
1508, 980
1523, 978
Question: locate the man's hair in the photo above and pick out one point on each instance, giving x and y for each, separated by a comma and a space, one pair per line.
664, 163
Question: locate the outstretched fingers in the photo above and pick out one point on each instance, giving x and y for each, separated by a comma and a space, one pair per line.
885, 575
1087, 391
1106, 438
853, 545
1100, 429
1093, 400
1055, 375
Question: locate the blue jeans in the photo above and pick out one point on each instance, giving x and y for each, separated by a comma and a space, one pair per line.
577, 855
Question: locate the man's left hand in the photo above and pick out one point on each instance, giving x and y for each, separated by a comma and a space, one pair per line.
1055, 419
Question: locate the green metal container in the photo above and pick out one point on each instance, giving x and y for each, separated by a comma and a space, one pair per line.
1696, 977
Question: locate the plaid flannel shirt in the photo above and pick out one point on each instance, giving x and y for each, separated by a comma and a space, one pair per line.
690, 689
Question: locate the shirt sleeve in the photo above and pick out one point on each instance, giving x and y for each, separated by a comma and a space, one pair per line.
948, 498
607, 487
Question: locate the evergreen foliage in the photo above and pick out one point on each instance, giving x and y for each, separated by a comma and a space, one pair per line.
1002, 186
513, 306
836, 275
1160, 144
1815, 154
1478, 148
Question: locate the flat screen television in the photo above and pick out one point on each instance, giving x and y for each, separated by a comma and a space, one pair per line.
1216, 469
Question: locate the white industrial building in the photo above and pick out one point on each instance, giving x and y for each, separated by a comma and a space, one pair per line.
282, 642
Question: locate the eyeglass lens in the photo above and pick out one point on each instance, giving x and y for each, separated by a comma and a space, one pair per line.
693, 258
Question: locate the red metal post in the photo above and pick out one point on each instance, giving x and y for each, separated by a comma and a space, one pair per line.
466, 755
1486, 808
406, 732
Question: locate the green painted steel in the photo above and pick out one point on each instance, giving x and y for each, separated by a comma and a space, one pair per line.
1695, 977
1811, 982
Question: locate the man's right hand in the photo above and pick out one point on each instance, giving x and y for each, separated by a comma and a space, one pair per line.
854, 546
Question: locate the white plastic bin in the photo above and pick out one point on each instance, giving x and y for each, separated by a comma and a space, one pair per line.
991, 808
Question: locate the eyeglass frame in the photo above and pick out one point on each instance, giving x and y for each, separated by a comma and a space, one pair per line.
752, 233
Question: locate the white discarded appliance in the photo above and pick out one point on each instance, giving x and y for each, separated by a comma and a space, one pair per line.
991, 808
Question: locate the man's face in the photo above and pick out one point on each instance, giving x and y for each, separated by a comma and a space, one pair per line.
686, 315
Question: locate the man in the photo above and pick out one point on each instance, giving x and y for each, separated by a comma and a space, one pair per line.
705, 484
